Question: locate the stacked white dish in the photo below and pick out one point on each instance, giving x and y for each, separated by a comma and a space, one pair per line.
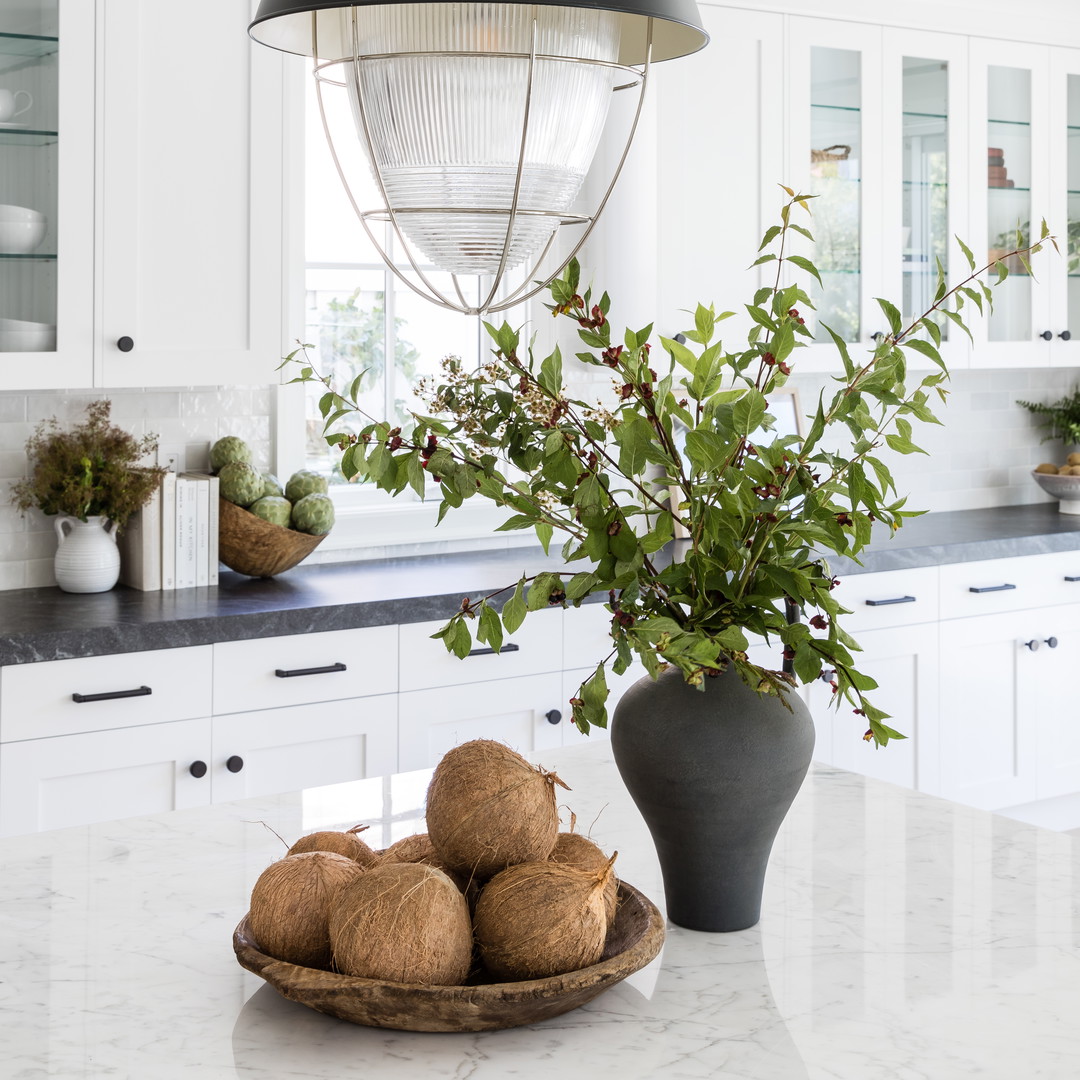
21, 229
21, 335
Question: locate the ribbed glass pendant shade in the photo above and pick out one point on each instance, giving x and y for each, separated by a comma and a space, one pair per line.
479, 120
446, 131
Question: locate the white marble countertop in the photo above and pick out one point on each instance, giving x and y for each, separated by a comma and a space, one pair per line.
902, 937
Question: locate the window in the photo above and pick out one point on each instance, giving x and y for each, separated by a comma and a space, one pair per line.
360, 318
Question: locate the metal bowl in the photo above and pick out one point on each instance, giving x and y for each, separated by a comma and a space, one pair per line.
1065, 488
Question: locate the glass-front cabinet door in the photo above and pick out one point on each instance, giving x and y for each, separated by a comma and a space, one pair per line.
923, 98
836, 147
1064, 216
46, 194
1012, 129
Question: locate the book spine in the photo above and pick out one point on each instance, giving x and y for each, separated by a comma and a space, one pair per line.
185, 532
168, 531
140, 562
202, 530
214, 528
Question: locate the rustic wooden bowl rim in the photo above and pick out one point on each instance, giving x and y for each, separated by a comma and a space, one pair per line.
472, 1007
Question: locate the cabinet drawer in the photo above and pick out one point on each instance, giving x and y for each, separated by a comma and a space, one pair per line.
298, 669
889, 598
37, 700
425, 663
993, 585
303, 746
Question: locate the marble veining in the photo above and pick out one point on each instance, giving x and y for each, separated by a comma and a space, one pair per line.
46, 624
903, 937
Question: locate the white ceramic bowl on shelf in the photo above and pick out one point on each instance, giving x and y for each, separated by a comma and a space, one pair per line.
1065, 488
21, 229
21, 335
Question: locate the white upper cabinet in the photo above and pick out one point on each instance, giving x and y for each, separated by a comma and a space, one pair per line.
719, 165
190, 258
47, 195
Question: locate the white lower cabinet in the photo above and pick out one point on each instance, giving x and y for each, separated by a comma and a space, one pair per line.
527, 713
101, 775
904, 662
303, 746
1008, 730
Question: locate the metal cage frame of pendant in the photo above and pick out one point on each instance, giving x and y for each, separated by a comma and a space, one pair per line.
530, 285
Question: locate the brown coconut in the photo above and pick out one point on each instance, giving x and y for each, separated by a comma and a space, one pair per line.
573, 849
405, 923
541, 919
418, 848
342, 843
488, 808
290, 905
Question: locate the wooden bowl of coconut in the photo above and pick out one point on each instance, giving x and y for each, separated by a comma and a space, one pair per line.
634, 938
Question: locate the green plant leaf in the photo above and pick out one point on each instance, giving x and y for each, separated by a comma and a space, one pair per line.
514, 610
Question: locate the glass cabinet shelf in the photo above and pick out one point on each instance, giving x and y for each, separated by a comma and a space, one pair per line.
31, 256
1011, 123
10, 136
27, 45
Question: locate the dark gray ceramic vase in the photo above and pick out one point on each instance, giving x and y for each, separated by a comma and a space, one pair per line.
713, 774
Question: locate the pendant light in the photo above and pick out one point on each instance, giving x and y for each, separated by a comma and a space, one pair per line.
479, 122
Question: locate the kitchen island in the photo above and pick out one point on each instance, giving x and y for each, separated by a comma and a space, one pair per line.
901, 937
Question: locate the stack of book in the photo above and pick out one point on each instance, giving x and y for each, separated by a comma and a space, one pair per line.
172, 542
997, 175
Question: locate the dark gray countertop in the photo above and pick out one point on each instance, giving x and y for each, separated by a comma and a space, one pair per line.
47, 624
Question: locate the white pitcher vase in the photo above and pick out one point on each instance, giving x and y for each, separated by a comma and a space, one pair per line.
87, 559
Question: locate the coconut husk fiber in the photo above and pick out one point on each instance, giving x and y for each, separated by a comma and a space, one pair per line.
488, 808
573, 849
541, 919
291, 902
342, 843
418, 848
405, 923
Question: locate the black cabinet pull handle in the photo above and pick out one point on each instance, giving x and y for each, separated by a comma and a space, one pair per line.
292, 674
491, 652
125, 344
197, 769
235, 763
553, 717
1065, 335
990, 588
1047, 335
110, 695
893, 600
1075, 577
1052, 642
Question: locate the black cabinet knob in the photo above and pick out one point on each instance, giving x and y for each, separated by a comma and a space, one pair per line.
827, 675
1052, 642
1065, 335
125, 344
1047, 335
554, 716
1033, 645
235, 763
197, 769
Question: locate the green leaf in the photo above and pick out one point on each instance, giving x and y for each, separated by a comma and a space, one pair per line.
551, 377
967, 253
416, 474
680, 353
805, 264
544, 532
635, 437
540, 591
490, 629
771, 233
748, 412
892, 314
926, 349
514, 610
580, 585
